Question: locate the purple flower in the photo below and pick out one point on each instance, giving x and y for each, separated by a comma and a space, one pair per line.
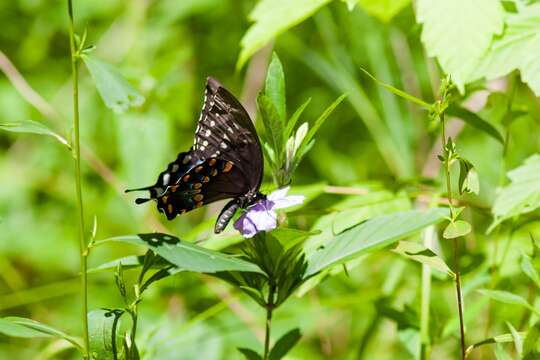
262, 215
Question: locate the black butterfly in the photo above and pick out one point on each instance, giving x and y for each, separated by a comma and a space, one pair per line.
224, 162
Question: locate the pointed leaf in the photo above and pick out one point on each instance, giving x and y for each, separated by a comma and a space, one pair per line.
508, 298
23, 327
399, 92
185, 255
271, 18
522, 195
250, 354
373, 234
275, 86
100, 332
294, 118
285, 344
528, 268
518, 341
33, 127
272, 125
499, 339
113, 88
423, 255
476, 121
456, 229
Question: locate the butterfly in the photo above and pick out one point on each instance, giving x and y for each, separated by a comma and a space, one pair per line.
225, 161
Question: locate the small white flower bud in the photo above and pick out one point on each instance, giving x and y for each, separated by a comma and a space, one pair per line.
300, 135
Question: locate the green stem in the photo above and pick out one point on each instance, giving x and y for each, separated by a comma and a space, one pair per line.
269, 310
425, 350
455, 243
83, 250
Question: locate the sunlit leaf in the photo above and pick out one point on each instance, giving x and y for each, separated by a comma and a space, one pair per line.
420, 253
522, 195
371, 235
271, 18
516, 48
508, 298
456, 229
455, 47
518, 341
113, 88
499, 339
383, 10
185, 255
33, 127
272, 124
275, 86
399, 92
294, 118
27, 328
100, 332
528, 268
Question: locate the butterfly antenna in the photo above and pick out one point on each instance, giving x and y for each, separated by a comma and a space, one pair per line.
141, 200
139, 189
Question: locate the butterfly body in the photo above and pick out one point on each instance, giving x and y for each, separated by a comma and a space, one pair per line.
224, 162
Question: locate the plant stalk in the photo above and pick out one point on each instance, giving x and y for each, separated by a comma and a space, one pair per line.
455, 243
425, 347
83, 249
269, 310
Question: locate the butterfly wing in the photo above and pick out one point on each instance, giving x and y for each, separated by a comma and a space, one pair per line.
212, 180
226, 131
225, 160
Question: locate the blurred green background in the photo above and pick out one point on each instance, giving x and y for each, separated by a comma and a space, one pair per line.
374, 142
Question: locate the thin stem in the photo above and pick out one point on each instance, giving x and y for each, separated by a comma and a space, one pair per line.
83, 250
425, 350
269, 310
455, 242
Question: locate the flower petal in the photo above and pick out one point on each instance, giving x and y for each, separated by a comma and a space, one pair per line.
278, 194
288, 201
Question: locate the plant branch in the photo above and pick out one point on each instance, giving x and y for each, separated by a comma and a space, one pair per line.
83, 250
269, 310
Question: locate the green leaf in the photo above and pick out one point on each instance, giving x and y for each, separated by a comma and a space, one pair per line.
271, 18
468, 177
250, 354
459, 48
371, 235
275, 86
399, 92
33, 127
530, 345
294, 118
476, 121
27, 328
456, 229
115, 91
384, 10
500, 354
320, 120
499, 339
285, 344
423, 255
518, 341
100, 332
528, 268
272, 125
508, 298
185, 255
516, 49
522, 195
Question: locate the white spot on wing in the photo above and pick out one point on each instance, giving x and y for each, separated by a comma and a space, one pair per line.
223, 145
208, 133
175, 168
166, 178
212, 123
205, 143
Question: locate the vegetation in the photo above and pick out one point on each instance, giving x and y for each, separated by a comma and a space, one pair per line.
410, 130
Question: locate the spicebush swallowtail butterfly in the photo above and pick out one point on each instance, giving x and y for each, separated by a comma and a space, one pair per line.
224, 162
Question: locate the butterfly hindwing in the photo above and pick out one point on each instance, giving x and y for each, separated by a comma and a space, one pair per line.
211, 180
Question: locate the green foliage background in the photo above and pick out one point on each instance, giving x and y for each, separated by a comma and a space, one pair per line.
375, 155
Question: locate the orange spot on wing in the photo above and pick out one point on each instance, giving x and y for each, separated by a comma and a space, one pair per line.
199, 168
228, 166
198, 197
212, 162
197, 186
205, 179
199, 204
170, 208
